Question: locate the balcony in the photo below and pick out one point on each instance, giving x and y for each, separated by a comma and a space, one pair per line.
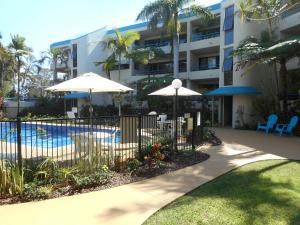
203, 36
159, 43
205, 67
159, 71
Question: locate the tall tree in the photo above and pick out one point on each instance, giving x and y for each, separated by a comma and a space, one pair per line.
19, 50
108, 65
167, 13
253, 52
6, 65
120, 44
268, 11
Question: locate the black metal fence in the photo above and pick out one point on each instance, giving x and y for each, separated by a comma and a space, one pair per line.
101, 141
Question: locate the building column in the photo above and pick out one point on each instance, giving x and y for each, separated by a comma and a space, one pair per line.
188, 31
188, 68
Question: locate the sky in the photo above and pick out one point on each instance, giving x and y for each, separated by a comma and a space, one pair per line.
43, 22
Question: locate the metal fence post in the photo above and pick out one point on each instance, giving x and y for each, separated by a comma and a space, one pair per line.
19, 144
140, 136
194, 130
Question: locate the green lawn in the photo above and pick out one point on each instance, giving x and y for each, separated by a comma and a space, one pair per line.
266, 192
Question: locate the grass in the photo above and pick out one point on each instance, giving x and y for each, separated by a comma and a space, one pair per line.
266, 192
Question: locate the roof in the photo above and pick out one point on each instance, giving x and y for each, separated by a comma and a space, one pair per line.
77, 95
235, 90
130, 27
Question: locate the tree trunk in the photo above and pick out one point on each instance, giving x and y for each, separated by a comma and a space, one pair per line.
119, 67
284, 74
18, 93
176, 56
275, 69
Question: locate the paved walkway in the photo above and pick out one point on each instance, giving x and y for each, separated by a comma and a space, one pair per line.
134, 203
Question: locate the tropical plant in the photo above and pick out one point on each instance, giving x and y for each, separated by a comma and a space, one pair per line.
269, 11
19, 49
6, 65
33, 191
252, 52
150, 84
11, 179
100, 176
47, 171
167, 13
265, 10
119, 46
108, 65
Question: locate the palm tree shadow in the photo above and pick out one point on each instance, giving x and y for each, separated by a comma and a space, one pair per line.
252, 192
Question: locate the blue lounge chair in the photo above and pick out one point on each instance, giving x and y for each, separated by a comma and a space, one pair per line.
272, 120
287, 128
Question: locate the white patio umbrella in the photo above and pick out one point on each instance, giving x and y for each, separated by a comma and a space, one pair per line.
89, 82
175, 89
171, 91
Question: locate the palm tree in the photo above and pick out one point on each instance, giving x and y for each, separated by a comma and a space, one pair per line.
252, 52
268, 11
19, 50
120, 45
108, 65
167, 12
6, 65
265, 10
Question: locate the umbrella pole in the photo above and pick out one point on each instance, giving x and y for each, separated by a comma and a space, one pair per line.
119, 104
91, 112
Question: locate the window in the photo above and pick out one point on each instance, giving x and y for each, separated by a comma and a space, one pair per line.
228, 78
208, 63
228, 66
228, 37
228, 60
74, 55
229, 25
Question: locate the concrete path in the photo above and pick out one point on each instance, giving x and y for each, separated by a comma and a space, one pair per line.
133, 203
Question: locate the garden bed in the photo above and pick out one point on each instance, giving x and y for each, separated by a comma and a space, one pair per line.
112, 178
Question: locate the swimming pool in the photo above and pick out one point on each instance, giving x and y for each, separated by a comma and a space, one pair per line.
52, 135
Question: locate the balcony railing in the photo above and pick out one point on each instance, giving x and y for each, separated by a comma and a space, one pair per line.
201, 36
205, 67
182, 69
160, 44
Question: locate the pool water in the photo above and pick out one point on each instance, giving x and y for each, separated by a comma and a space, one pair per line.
52, 136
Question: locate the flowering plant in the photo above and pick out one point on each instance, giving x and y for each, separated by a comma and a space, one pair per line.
154, 156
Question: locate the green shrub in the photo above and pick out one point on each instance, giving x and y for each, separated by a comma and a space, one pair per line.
99, 111
99, 177
133, 165
53, 107
47, 171
33, 191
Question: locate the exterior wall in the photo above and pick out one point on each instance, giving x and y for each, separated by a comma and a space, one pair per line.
11, 110
90, 50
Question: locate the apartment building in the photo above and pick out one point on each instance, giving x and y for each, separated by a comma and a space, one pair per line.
204, 59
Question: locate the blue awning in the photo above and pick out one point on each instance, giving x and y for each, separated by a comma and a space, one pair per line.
229, 91
77, 95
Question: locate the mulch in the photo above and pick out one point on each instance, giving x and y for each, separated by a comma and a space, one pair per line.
122, 177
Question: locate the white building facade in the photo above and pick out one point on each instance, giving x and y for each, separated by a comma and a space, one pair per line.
204, 59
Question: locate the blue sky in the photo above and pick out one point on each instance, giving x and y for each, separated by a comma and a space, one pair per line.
43, 22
